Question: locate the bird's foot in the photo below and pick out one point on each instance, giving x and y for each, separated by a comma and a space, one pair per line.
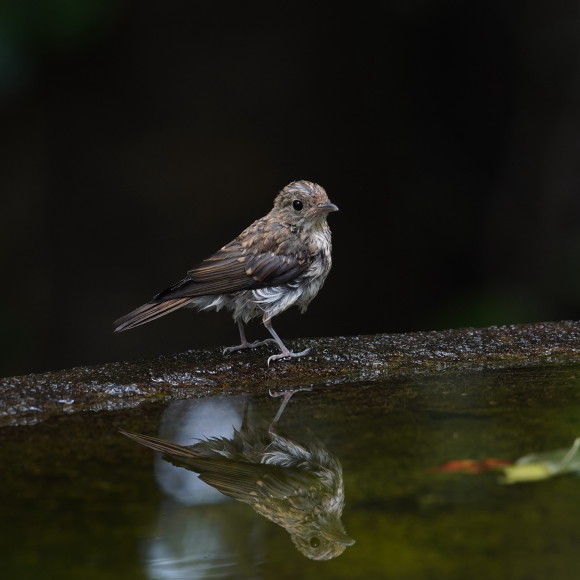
287, 392
287, 354
247, 344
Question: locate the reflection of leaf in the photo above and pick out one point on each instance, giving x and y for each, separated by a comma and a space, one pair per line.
538, 466
470, 465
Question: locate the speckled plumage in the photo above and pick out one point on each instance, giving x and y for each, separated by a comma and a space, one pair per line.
279, 261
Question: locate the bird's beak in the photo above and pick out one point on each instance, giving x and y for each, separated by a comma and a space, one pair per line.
340, 537
324, 208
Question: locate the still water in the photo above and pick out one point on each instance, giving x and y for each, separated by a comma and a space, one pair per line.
78, 499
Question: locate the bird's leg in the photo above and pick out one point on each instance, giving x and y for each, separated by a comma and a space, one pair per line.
284, 352
244, 341
287, 394
245, 411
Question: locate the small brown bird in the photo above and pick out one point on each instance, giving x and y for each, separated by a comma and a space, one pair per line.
295, 484
281, 260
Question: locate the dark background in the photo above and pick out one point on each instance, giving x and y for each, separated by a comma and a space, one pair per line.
139, 136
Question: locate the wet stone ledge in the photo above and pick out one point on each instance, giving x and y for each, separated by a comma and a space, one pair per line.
353, 360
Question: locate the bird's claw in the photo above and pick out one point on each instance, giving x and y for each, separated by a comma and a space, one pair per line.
229, 349
244, 345
262, 342
287, 392
287, 354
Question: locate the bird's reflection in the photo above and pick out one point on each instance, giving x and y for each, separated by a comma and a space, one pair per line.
296, 484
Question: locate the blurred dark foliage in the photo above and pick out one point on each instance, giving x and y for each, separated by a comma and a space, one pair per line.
139, 136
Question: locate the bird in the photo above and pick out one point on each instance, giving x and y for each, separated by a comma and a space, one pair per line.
297, 485
280, 260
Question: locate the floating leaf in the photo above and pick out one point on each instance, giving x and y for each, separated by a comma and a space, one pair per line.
538, 466
470, 465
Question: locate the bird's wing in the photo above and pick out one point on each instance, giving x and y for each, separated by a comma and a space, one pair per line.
249, 482
241, 480
239, 266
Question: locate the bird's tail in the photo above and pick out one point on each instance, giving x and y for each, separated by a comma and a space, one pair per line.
148, 312
160, 445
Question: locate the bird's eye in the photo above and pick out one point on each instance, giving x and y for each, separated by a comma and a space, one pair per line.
314, 542
297, 204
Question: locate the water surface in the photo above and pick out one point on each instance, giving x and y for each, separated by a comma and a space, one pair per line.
79, 500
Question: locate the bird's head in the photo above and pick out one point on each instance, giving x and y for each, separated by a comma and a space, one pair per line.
303, 204
322, 539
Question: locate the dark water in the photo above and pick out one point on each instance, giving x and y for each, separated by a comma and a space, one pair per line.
79, 500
